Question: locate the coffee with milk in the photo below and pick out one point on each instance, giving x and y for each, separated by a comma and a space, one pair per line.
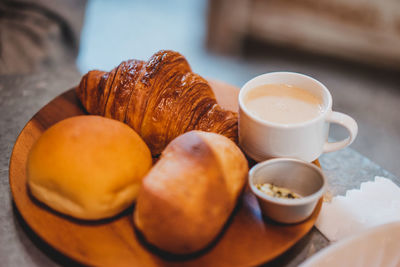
283, 103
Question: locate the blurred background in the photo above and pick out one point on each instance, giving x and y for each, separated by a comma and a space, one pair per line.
353, 47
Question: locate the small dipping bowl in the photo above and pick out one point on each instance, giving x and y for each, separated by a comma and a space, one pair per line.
298, 176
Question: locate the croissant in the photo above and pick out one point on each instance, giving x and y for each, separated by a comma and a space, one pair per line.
160, 99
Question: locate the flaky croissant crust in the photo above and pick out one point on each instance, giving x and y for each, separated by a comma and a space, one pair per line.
160, 99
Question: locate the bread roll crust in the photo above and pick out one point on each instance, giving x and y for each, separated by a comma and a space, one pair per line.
88, 167
187, 197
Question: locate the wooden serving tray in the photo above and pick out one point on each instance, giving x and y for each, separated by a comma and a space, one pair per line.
247, 238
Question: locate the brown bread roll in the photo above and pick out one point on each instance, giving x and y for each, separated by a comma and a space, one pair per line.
187, 197
88, 167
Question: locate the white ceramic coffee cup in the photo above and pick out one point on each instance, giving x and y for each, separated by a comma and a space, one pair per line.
307, 140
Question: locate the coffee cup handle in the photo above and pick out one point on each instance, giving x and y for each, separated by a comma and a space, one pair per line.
347, 122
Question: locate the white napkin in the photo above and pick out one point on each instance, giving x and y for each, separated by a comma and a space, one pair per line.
375, 203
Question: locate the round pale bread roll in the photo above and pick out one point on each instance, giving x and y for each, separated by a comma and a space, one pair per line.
88, 167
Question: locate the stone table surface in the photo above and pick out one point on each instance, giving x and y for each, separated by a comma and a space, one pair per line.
22, 96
